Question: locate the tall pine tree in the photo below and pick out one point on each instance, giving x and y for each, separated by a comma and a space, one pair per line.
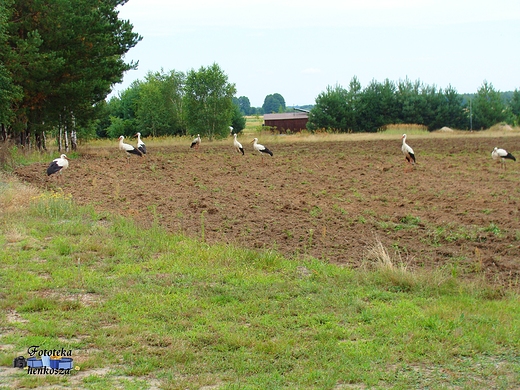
65, 56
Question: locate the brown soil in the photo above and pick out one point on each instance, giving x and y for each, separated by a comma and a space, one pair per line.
330, 200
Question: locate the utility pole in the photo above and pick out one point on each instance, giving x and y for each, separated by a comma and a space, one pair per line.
470, 117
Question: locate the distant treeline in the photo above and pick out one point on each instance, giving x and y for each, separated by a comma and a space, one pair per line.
58, 65
357, 109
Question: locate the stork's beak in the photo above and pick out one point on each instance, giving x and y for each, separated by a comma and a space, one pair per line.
252, 141
67, 158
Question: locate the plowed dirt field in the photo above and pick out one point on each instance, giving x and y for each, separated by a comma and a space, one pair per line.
332, 200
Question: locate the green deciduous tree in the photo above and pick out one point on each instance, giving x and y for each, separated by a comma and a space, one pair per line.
122, 112
208, 102
160, 104
273, 103
244, 105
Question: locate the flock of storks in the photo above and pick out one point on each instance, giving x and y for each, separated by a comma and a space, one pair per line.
61, 163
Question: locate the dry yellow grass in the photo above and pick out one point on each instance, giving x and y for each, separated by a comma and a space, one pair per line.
254, 129
15, 195
14, 234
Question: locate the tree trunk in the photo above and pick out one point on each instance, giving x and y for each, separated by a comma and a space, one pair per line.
38, 140
25, 137
4, 133
73, 139
66, 140
60, 138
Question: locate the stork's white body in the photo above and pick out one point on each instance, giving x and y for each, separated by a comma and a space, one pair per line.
261, 148
196, 142
129, 149
500, 155
237, 145
58, 165
140, 144
408, 152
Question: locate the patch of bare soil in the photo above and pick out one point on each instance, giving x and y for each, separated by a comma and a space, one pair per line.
331, 200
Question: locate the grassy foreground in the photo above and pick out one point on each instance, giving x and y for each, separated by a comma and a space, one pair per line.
147, 309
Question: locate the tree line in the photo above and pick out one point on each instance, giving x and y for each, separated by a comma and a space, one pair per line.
273, 103
174, 103
357, 109
59, 62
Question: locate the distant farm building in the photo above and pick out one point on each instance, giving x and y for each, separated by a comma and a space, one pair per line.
293, 122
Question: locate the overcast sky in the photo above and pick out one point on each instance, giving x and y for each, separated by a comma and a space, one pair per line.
298, 48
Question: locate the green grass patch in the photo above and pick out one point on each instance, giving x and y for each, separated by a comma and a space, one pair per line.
142, 308
409, 129
13, 156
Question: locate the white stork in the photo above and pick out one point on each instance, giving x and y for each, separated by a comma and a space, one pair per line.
58, 165
408, 151
502, 154
140, 144
260, 148
237, 145
196, 142
129, 149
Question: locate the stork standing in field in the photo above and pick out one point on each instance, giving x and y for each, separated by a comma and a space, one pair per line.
408, 152
237, 145
502, 155
260, 148
196, 142
58, 165
129, 149
140, 144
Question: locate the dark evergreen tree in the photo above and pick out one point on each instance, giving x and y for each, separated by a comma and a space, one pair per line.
238, 121
65, 58
378, 106
514, 106
9, 93
450, 111
330, 111
488, 107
